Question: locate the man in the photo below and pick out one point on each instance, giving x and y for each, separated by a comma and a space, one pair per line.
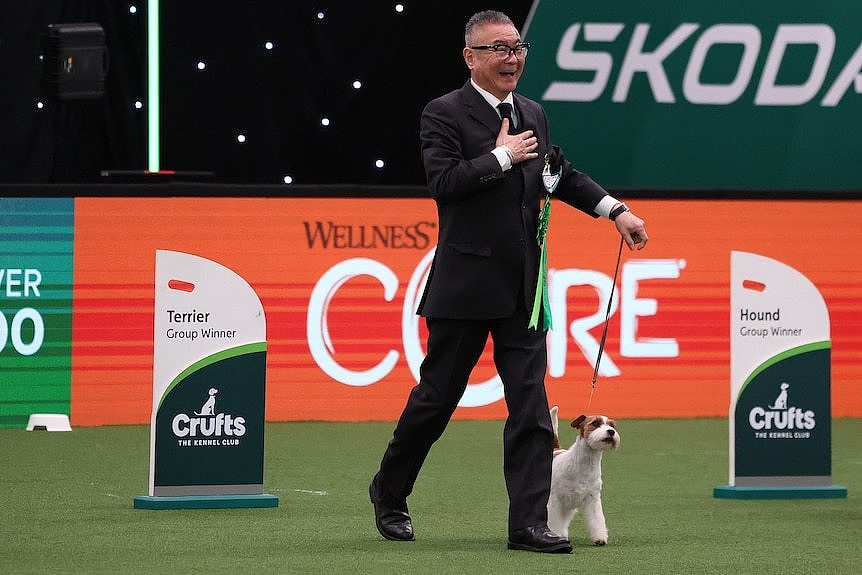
488, 187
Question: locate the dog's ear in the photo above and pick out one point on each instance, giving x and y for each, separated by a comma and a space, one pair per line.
577, 422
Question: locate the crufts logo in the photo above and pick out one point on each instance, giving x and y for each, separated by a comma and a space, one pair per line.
780, 416
207, 423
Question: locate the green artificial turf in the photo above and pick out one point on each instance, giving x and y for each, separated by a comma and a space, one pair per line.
66, 507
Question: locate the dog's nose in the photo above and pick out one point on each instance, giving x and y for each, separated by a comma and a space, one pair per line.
611, 432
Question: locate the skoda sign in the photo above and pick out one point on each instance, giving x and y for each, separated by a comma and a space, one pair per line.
697, 94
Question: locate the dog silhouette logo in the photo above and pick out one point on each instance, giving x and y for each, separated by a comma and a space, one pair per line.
781, 400
208, 407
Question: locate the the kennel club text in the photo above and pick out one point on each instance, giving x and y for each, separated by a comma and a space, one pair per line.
748, 315
182, 319
778, 421
221, 429
207, 431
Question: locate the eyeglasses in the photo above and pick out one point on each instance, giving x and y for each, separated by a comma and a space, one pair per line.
502, 51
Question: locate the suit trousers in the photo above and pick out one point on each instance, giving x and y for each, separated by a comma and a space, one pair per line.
454, 348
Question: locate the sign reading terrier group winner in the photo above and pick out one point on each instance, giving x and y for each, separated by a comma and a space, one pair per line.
780, 366
209, 367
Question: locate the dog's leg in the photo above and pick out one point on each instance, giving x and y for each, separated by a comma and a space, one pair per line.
559, 517
594, 519
555, 517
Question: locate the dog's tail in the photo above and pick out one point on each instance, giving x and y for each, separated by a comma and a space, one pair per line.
555, 422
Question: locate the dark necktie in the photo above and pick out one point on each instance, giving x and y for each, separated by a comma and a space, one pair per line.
506, 112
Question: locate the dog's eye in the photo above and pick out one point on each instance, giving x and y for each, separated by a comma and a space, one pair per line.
596, 423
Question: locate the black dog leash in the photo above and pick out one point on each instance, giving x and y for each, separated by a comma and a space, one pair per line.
605, 330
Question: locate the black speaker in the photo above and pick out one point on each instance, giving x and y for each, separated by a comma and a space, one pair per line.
74, 61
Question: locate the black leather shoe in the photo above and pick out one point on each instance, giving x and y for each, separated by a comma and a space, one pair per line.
539, 539
391, 517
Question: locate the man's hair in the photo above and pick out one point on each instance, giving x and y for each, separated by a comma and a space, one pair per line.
479, 19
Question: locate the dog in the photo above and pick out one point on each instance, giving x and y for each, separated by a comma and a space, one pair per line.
576, 476
208, 408
781, 400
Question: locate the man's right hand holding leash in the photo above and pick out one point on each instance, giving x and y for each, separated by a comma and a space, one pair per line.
632, 230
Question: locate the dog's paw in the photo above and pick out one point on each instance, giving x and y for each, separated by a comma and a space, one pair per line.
600, 538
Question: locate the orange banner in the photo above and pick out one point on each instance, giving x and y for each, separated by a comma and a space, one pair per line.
340, 278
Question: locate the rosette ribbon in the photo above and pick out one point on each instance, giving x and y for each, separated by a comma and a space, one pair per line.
541, 304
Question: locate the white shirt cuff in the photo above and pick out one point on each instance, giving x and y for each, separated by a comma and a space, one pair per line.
604, 207
502, 155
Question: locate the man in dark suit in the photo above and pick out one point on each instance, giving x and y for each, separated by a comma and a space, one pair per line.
485, 175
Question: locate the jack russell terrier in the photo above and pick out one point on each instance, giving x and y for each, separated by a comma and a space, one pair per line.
576, 477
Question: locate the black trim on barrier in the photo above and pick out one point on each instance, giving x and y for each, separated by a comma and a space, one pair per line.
195, 189
718, 194
185, 189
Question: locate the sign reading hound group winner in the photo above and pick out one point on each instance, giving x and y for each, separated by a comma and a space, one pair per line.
209, 367
780, 413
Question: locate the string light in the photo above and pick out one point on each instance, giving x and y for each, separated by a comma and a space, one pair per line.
133, 9
138, 104
329, 93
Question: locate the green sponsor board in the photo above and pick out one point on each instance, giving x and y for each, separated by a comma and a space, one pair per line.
36, 241
702, 95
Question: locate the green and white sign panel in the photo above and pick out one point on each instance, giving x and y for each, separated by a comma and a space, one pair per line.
36, 259
780, 415
209, 372
697, 94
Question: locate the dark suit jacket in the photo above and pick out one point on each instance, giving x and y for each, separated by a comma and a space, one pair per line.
487, 252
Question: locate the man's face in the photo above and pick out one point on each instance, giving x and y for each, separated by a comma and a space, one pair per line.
490, 71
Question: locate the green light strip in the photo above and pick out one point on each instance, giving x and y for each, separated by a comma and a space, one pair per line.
153, 84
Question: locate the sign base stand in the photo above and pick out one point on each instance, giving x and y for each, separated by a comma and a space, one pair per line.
206, 501
781, 492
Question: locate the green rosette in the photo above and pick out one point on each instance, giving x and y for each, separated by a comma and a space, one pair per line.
541, 303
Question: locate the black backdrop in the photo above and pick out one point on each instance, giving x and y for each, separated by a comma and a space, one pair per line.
69, 141
275, 98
